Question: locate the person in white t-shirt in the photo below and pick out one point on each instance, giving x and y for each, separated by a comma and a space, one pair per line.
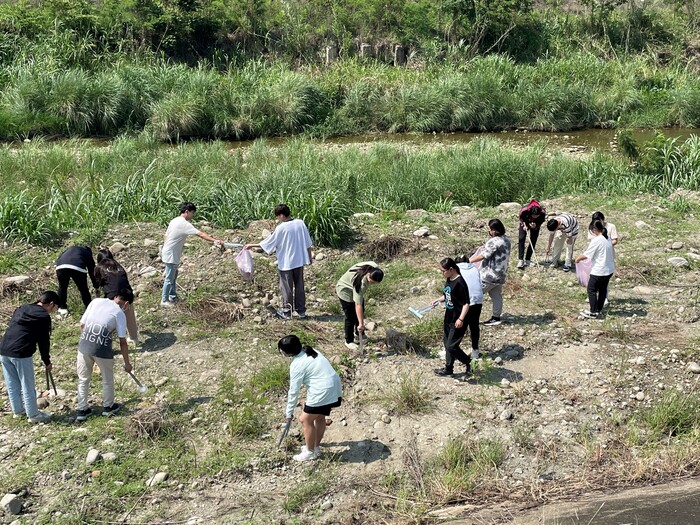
175, 236
600, 252
101, 319
292, 242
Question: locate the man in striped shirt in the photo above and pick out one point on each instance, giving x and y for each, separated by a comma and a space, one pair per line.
563, 229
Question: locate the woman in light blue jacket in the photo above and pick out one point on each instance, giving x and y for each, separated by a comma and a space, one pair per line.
323, 392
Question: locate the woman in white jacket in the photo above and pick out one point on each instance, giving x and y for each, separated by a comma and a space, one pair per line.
323, 392
600, 252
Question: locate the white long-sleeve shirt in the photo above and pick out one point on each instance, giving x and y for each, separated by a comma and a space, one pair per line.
318, 376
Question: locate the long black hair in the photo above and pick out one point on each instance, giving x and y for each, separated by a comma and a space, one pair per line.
291, 345
376, 274
106, 262
449, 262
598, 225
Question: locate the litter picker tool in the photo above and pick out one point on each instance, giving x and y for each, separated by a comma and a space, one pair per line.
140, 387
420, 312
50, 376
233, 245
283, 433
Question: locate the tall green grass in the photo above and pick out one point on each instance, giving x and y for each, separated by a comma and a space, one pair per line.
49, 189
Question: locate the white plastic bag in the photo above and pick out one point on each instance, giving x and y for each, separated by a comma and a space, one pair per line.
244, 261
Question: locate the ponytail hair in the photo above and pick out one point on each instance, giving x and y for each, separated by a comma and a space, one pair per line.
291, 345
376, 274
598, 216
598, 225
449, 262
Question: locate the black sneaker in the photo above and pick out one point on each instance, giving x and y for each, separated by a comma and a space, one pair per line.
567, 268
444, 372
494, 321
82, 415
110, 411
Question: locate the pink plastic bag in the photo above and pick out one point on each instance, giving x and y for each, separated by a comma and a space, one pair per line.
583, 271
244, 261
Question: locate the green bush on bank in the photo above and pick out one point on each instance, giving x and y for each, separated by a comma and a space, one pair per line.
50, 189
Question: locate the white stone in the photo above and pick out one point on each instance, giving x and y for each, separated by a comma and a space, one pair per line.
363, 214
18, 280
148, 271
421, 232
679, 262
117, 247
11, 504
639, 396
693, 367
93, 456
506, 415
370, 326
677, 245
386, 418
641, 224
158, 478
505, 382
326, 505
320, 256
149, 242
509, 206
109, 456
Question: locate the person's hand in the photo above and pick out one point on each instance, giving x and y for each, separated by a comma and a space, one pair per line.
570, 240
128, 367
48, 368
248, 246
435, 303
459, 323
289, 419
361, 327
533, 225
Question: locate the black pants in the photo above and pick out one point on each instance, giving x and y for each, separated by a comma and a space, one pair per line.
597, 291
452, 339
522, 239
64, 275
472, 322
351, 320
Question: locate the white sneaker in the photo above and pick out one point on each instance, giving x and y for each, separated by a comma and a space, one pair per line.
305, 455
40, 417
606, 303
475, 354
63, 311
521, 264
588, 314
17, 416
167, 304
352, 346
317, 451
133, 342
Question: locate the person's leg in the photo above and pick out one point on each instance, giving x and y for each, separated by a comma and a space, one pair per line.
592, 291
106, 367
534, 235
320, 428
13, 384
299, 292
557, 246
602, 292
351, 320
309, 428
569, 252
84, 365
63, 277
81, 281
472, 321
25, 371
522, 239
452, 346
496, 295
169, 278
449, 358
131, 326
286, 283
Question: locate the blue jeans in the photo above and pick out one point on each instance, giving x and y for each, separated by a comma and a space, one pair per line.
19, 378
169, 289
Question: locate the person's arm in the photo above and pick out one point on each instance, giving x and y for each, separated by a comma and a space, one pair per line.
359, 311
438, 301
90, 265
549, 244
44, 343
580, 258
124, 348
296, 379
475, 259
311, 257
207, 237
462, 316
251, 246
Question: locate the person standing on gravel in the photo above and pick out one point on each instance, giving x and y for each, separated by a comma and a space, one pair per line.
530, 219
602, 256
29, 327
178, 230
111, 277
351, 289
75, 263
494, 267
102, 318
563, 228
292, 242
456, 299
323, 392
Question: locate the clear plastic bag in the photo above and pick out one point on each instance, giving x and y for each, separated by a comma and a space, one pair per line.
244, 261
583, 271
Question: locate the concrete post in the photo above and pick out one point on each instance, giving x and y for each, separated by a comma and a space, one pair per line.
399, 55
331, 54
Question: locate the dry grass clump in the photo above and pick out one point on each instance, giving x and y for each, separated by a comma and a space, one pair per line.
148, 422
385, 248
216, 311
399, 341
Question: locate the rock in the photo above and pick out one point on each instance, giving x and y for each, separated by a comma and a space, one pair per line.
679, 262
148, 271
505, 382
117, 247
257, 319
65, 475
641, 224
320, 256
433, 237
506, 415
11, 504
265, 233
161, 381
416, 289
109, 456
42, 403
17, 280
363, 214
693, 367
158, 478
677, 245
639, 396
149, 242
509, 206
326, 505
93, 456
246, 303
421, 232
386, 419
693, 256
498, 360
371, 326
586, 371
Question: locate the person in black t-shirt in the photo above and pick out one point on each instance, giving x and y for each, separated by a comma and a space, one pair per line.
456, 299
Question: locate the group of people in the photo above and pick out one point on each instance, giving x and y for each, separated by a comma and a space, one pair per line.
466, 282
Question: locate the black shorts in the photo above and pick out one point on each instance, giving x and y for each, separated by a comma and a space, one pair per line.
324, 410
